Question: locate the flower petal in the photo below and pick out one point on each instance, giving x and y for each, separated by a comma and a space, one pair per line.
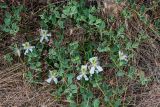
120, 53
97, 71
85, 77
46, 38
42, 37
49, 80
30, 49
79, 77
49, 34
92, 59
92, 70
99, 68
26, 51
23, 44
55, 80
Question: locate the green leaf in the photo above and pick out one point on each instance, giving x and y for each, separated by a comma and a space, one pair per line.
61, 23
120, 73
131, 72
100, 24
3, 5
70, 77
53, 19
106, 99
92, 19
57, 14
29, 76
8, 58
117, 103
118, 1
76, 59
120, 32
103, 47
73, 46
98, 21
142, 9
135, 45
129, 45
52, 54
126, 13
85, 104
42, 16
5, 29
56, 65
96, 103
73, 104
73, 10
14, 29
144, 80
7, 21
63, 16
66, 11
73, 88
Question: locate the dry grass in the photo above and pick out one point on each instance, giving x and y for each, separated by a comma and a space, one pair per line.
15, 91
148, 61
151, 98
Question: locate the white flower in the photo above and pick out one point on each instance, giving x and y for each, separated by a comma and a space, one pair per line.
95, 65
27, 47
122, 56
83, 73
52, 76
44, 35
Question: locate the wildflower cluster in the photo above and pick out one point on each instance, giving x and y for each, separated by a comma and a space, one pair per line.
27, 47
66, 60
52, 76
122, 56
95, 67
90, 68
44, 36
83, 73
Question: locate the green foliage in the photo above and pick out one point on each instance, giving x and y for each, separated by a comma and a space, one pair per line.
11, 20
66, 60
126, 13
65, 57
96, 103
8, 58
143, 80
